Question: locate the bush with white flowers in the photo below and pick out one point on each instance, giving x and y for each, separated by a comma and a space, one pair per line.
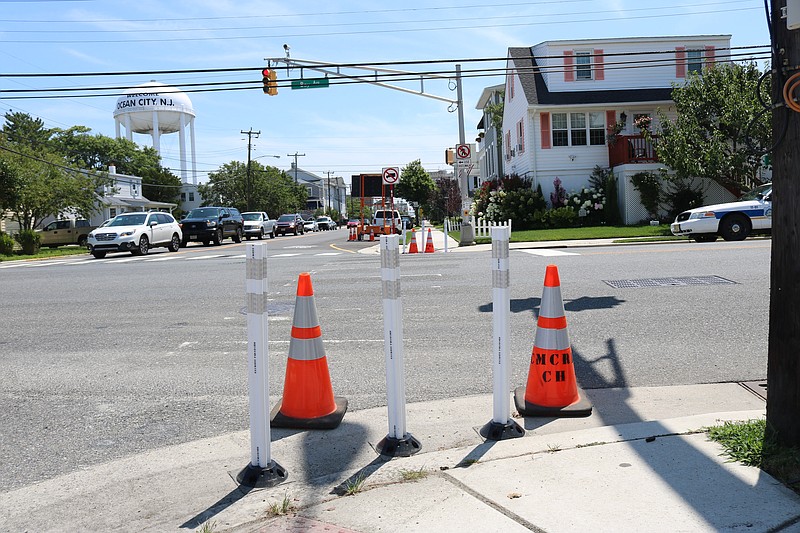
589, 202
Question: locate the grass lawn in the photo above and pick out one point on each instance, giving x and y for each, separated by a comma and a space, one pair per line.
633, 233
46, 253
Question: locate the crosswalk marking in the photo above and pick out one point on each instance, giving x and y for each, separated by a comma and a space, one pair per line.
547, 252
169, 258
281, 255
330, 253
204, 257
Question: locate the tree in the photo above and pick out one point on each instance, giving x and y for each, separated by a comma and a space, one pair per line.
36, 185
98, 152
21, 128
415, 184
712, 136
272, 189
160, 185
446, 199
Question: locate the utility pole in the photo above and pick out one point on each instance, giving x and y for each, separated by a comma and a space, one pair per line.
295, 155
329, 172
467, 231
248, 184
783, 362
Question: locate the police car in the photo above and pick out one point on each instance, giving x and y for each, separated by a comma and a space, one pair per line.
732, 221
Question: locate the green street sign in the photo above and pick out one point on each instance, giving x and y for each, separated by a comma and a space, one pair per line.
310, 83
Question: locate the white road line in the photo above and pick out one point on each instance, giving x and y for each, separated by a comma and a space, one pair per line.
14, 265
547, 253
128, 260
283, 255
204, 257
170, 258
330, 253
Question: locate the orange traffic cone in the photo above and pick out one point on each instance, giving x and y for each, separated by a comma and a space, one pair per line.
352, 236
429, 243
551, 389
308, 401
412, 249
371, 234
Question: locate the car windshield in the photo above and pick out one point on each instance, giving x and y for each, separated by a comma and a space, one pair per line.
251, 216
202, 213
129, 220
322, 219
753, 195
286, 218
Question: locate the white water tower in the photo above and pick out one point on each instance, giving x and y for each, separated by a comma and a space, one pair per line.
155, 109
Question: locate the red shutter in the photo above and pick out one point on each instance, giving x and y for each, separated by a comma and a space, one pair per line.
569, 70
680, 62
599, 70
710, 52
611, 120
544, 119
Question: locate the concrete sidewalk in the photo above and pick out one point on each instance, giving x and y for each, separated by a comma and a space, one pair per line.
636, 464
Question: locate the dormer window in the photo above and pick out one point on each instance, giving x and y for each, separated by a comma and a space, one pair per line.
583, 65
694, 61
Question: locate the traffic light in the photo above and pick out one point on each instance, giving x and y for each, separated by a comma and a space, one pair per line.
269, 79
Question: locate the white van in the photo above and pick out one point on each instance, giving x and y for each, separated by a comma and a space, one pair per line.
384, 218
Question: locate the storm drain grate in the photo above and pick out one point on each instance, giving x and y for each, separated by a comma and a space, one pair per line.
668, 282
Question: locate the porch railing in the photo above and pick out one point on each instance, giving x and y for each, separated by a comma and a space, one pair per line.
631, 149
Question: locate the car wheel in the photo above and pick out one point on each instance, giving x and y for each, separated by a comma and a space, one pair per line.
218, 236
175, 243
260, 234
734, 227
144, 246
238, 236
82, 241
99, 255
705, 237
206, 243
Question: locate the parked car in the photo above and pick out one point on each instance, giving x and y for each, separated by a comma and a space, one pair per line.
290, 223
732, 221
258, 224
388, 218
61, 232
136, 232
208, 224
325, 223
353, 222
310, 224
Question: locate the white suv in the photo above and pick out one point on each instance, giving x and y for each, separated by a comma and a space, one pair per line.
136, 233
384, 218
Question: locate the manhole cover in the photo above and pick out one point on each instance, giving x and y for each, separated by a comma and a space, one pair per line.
686, 281
759, 388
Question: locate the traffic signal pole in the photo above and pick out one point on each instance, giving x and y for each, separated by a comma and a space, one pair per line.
467, 231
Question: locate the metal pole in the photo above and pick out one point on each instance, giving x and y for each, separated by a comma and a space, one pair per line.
467, 231
398, 443
501, 426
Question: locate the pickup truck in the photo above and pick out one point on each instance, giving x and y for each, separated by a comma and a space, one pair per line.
62, 232
258, 224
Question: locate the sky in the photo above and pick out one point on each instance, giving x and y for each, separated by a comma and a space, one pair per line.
343, 129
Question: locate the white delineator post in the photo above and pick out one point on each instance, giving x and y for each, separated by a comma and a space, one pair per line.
446, 232
398, 443
501, 426
262, 470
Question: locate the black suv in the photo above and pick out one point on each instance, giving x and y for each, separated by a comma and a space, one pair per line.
207, 224
290, 224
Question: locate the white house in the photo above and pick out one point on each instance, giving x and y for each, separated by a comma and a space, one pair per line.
563, 98
490, 154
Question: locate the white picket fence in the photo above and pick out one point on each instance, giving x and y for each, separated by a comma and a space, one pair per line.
481, 225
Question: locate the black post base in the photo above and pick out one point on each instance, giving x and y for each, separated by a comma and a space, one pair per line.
393, 447
497, 431
262, 477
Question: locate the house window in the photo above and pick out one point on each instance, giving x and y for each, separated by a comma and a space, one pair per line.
578, 129
583, 65
191, 197
112, 212
521, 136
183, 197
694, 61
597, 129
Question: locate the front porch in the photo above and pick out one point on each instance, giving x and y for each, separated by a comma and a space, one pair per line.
627, 149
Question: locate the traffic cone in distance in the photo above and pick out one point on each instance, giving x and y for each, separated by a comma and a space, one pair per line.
551, 390
412, 249
308, 401
371, 234
350, 236
429, 243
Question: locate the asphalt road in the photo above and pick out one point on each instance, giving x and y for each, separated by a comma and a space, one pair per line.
100, 359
